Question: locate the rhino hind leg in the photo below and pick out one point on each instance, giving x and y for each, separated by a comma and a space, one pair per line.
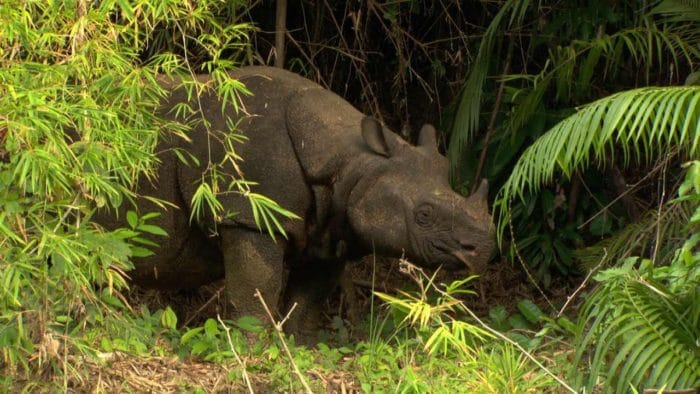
198, 261
252, 261
309, 285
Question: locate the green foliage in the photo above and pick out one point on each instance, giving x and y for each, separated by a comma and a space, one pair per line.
656, 227
572, 53
149, 333
79, 95
506, 370
642, 333
679, 11
265, 211
435, 321
446, 333
641, 322
568, 72
638, 125
137, 226
466, 121
644, 318
643, 123
547, 234
400, 363
208, 341
529, 318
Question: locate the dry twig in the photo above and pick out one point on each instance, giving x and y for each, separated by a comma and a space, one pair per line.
236, 355
280, 334
583, 284
280, 32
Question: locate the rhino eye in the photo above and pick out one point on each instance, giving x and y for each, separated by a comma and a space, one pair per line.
425, 215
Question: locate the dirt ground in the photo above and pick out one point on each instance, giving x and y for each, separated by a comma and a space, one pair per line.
502, 284
123, 373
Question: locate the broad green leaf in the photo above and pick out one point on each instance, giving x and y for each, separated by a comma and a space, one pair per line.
132, 219
530, 311
168, 319
151, 229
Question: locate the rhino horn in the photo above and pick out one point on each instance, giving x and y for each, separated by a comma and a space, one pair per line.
483, 191
478, 201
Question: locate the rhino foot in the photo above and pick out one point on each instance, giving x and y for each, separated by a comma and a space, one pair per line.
308, 287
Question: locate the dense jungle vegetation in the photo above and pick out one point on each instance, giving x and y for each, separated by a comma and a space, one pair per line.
583, 115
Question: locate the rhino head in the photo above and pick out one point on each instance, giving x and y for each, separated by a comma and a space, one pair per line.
407, 207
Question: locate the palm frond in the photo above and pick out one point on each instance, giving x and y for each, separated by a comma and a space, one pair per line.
679, 10
682, 17
642, 336
646, 44
666, 229
640, 122
467, 117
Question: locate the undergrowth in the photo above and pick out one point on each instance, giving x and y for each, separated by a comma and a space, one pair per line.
420, 341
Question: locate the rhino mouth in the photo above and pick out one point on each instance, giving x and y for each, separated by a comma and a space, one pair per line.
452, 257
466, 256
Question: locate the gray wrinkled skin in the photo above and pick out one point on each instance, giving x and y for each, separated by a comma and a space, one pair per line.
357, 187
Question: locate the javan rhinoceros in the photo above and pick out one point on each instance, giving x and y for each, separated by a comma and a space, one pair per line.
357, 187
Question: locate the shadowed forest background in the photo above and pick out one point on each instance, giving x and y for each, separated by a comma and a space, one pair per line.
583, 115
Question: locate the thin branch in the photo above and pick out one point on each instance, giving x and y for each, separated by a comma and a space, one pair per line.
361, 77
583, 284
280, 334
521, 260
620, 184
308, 59
280, 30
520, 348
235, 354
201, 308
630, 189
492, 122
657, 241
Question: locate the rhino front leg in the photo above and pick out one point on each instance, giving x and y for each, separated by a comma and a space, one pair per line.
252, 260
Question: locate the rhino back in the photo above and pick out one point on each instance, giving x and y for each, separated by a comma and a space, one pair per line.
268, 155
322, 127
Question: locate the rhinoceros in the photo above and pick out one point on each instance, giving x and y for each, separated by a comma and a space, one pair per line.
356, 186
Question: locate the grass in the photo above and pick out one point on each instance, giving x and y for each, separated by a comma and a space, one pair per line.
150, 351
163, 364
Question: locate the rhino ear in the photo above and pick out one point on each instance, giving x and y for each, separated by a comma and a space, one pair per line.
380, 140
427, 138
